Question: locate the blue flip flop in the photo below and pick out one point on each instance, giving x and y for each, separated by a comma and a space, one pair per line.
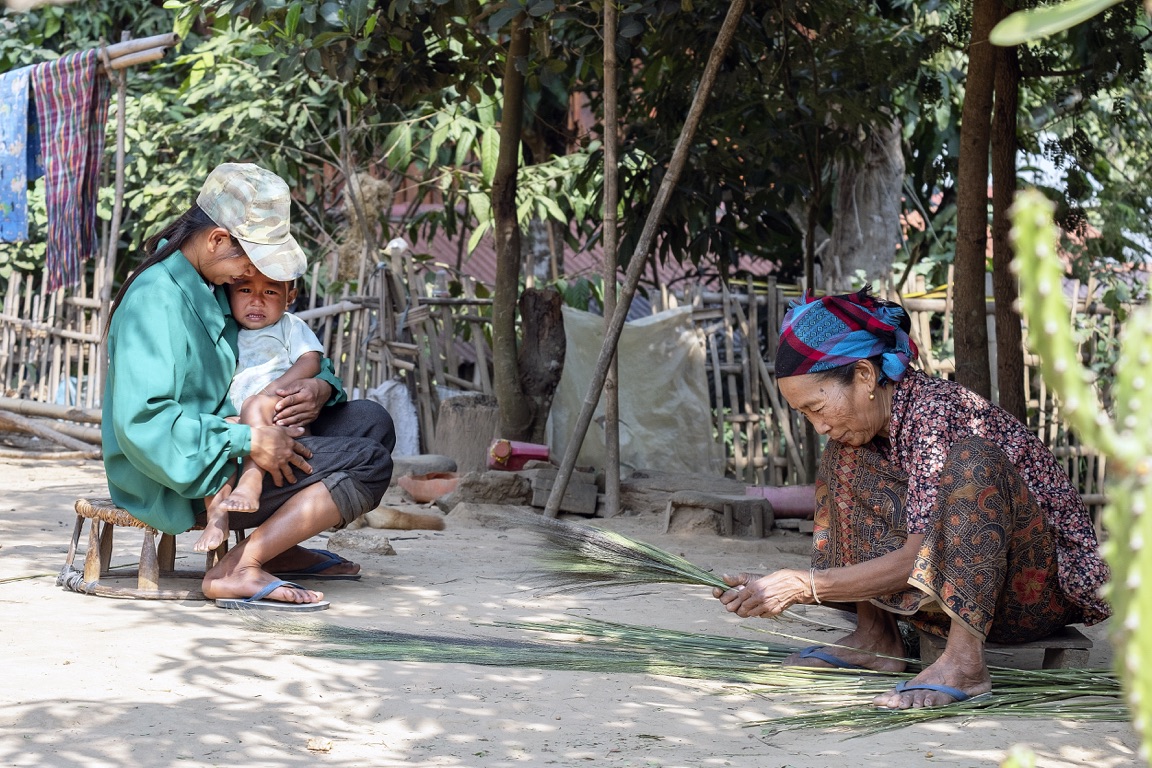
316, 570
955, 693
818, 652
258, 603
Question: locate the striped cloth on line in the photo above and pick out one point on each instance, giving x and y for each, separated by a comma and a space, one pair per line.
72, 105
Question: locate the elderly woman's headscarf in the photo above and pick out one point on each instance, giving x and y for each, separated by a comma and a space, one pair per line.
819, 334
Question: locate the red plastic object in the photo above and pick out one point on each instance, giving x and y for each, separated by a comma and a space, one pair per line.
512, 455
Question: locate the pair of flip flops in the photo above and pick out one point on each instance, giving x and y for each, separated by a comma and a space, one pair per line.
819, 652
316, 570
257, 602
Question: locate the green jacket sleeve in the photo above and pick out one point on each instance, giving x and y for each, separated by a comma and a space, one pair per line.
328, 374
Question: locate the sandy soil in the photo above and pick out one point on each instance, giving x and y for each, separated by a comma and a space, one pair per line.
99, 682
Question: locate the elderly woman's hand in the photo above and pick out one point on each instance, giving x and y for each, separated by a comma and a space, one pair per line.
755, 595
276, 452
300, 402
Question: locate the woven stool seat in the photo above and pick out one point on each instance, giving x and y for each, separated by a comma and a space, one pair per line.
156, 560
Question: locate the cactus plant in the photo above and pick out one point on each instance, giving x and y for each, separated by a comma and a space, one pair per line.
1125, 438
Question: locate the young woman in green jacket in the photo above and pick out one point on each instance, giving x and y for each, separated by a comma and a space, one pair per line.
168, 441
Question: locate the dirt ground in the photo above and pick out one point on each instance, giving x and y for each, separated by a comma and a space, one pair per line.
93, 682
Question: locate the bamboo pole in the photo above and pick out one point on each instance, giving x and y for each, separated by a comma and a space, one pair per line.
124, 48
49, 410
48, 433
611, 261
639, 257
85, 434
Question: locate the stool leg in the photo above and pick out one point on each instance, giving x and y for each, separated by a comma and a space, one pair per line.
667, 517
726, 521
92, 556
757, 522
106, 531
76, 531
1065, 658
148, 575
166, 553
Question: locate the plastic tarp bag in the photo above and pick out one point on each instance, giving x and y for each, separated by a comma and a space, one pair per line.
665, 412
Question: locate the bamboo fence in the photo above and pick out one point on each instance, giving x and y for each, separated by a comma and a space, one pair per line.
400, 327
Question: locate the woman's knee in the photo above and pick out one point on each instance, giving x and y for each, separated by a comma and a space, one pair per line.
358, 418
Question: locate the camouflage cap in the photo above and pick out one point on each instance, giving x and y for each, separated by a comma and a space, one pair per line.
254, 205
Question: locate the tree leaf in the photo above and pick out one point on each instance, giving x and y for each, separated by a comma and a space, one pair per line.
1035, 23
500, 19
489, 151
477, 233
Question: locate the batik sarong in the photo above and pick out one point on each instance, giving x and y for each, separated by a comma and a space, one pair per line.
988, 560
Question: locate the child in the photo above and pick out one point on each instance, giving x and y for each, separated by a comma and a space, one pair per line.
275, 348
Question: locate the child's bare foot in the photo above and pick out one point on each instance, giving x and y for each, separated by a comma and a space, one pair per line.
240, 501
215, 530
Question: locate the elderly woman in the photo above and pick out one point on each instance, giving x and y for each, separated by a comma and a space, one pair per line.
169, 441
932, 504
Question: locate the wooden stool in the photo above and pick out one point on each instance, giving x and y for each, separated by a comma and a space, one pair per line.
759, 510
1064, 649
156, 561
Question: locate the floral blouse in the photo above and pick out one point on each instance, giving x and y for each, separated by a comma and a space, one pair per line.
930, 414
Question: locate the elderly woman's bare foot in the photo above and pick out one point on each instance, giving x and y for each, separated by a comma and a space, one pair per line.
875, 638
958, 675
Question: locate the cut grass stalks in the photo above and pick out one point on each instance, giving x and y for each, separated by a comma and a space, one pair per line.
838, 698
576, 557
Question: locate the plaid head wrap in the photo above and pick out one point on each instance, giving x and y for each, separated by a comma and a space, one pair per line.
819, 334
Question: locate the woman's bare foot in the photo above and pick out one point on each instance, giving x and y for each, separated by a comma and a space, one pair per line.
247, 581
215, 530
876, 636
961, 667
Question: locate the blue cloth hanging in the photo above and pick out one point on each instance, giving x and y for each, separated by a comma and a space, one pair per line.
20, 161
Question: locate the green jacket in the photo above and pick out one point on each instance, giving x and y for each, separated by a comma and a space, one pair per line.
171, 357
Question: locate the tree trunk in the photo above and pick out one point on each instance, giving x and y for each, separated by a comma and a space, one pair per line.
969, 317
866, 213
542, 348
1009, 349
516, 413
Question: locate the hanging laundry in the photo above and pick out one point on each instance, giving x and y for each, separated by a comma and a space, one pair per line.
72, 106
19, 153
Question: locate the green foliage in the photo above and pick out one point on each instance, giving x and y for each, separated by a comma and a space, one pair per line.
580, 292
800, 86
1125, 438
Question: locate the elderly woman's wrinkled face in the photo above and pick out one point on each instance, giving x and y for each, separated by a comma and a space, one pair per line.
842, 412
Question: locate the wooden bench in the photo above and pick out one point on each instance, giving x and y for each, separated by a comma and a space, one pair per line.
733, 510
1064, 649
157, 561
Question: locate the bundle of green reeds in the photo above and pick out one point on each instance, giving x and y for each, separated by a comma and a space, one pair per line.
837, 698
576, 557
